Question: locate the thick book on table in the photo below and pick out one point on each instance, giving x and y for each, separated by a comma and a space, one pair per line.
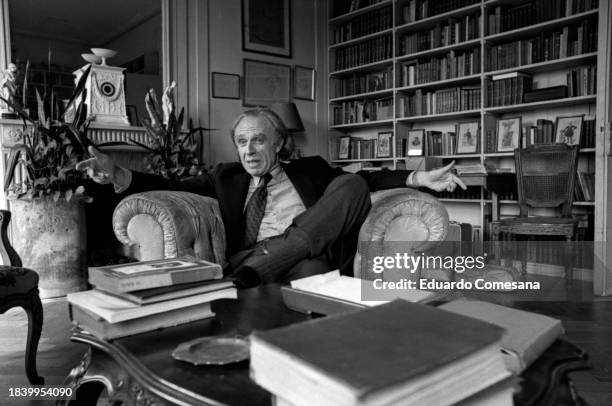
115, 309
161, 294
104, 330
527, 334
395, 353
153, 274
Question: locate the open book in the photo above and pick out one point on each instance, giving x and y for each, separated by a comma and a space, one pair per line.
331, 293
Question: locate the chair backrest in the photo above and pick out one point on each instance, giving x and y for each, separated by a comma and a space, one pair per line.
8, 255
545, 176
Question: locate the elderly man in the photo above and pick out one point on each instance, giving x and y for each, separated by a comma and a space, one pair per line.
283, 221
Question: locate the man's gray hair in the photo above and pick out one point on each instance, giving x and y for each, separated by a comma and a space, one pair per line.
277, 124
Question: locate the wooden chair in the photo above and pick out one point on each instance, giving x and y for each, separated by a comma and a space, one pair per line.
545, 175
19, 287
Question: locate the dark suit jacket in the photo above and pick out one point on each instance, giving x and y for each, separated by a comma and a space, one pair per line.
229, 184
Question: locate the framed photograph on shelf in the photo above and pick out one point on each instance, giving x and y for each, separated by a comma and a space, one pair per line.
266, 27
416, 139
265, 83
344, 148
508, 134
468, 134
303, 83
569, 129
384, 146
225, 86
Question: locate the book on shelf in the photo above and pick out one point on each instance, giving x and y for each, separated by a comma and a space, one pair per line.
114, 309
440, 101
151, 274
454, 64
359, 83
527, 335
363, 24
546, 93
508, 89
332, 293
415, 10
444, 33
369, 51
395, 353
510, 17
103, 329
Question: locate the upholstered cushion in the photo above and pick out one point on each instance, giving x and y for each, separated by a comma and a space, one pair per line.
15, 280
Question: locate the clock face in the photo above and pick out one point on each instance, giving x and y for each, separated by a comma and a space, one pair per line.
107, 89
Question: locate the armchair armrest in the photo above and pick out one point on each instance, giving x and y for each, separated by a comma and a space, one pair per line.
166, 224
415, 218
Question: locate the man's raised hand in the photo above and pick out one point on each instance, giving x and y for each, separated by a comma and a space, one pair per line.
440, 179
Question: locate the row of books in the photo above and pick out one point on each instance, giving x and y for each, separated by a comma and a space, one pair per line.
546, 46
358, 83
138, 297
507, 89
452, 31
348, 6
361, 111
364, 24
374, 50
472, 192
452, 65
439, 101
359, 148
415, 10
507, 18
582, 81
550, 250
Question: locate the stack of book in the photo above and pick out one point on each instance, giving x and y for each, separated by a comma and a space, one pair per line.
138, 297
399, 353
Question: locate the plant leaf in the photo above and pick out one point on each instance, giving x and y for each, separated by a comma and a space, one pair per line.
77, 90
42, 117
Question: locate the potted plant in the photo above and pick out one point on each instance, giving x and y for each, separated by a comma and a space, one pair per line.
47, 193
173, 151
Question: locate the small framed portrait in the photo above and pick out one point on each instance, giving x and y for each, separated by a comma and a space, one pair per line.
383, 149
508, 134
415, 142
225, 86
303, 83
468, 137
266, 83
569, 129
344, 148
132, 114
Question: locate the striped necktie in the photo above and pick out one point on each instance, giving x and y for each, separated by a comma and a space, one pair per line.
255, 211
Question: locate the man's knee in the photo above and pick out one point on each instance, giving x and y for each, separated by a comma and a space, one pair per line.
351, 185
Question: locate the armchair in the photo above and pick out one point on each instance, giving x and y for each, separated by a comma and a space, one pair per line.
164, 224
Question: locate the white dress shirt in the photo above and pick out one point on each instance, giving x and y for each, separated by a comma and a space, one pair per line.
283, 204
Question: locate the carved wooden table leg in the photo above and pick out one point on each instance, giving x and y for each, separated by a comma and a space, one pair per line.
34, 311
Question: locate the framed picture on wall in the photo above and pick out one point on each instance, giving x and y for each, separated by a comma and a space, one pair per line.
384, 146
415, 142
303, 83
266, 27
225, 86
266, 83
569, 129
467, 137
508, 134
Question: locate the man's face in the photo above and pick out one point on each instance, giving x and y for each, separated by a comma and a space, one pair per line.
255, 141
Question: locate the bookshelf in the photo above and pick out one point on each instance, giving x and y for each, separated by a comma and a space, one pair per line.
451, 62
